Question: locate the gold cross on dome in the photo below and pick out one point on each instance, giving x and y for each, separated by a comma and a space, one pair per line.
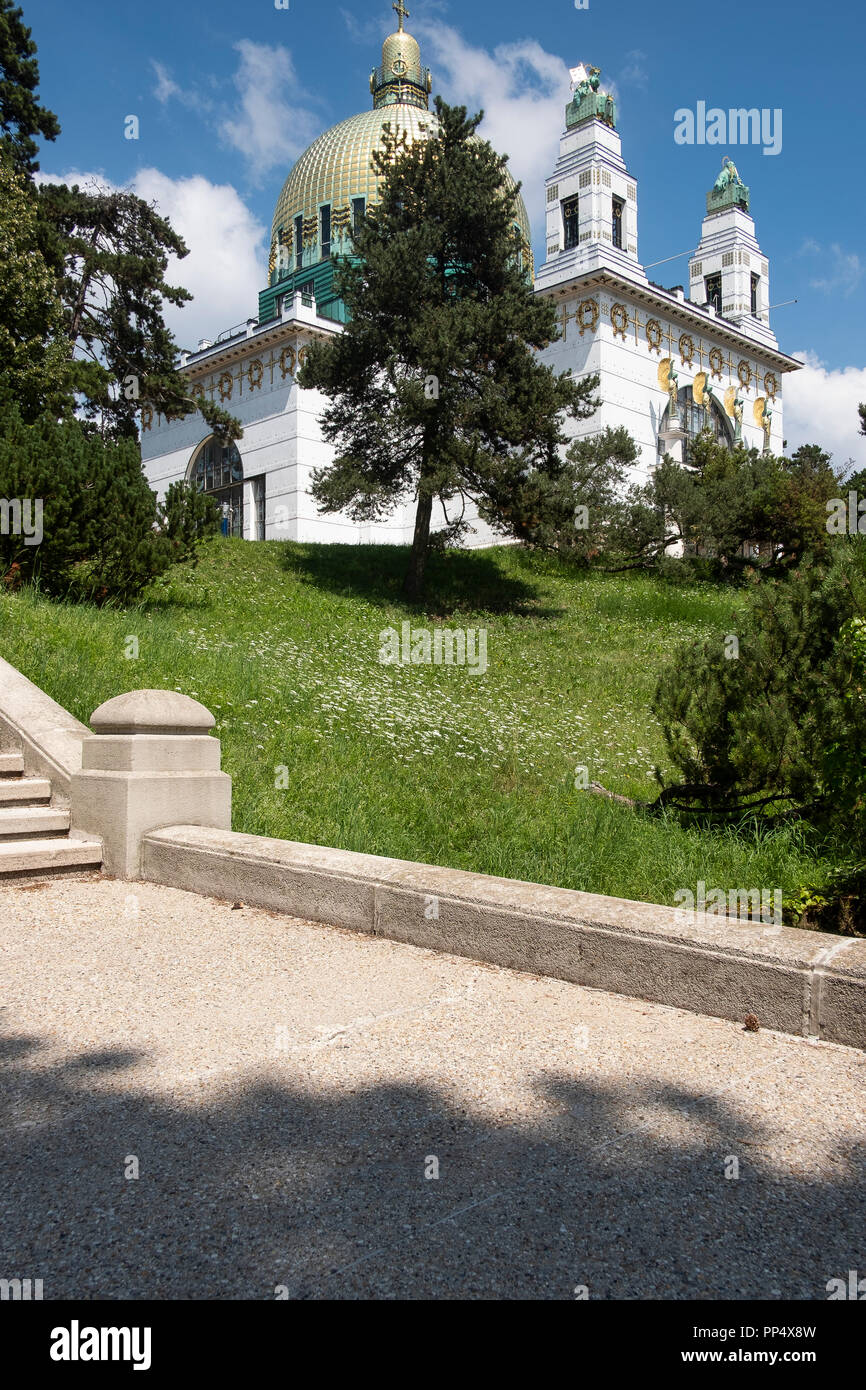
402, 13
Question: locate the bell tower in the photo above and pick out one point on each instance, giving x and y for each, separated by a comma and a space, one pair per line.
591, 196
729, 272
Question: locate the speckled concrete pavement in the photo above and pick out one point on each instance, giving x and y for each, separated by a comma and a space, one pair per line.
288, 1093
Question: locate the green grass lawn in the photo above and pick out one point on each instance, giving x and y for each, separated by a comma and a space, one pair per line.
432, 763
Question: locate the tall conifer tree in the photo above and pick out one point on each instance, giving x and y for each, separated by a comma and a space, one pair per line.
21, 116
435, 387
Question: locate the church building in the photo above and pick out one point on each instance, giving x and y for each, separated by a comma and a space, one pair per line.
670, 361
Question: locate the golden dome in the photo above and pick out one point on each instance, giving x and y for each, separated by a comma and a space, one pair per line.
337, 167
400, 48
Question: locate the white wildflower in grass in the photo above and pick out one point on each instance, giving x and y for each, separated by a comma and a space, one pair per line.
421, 762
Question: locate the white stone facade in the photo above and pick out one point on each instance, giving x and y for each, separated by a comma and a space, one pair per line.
253, 374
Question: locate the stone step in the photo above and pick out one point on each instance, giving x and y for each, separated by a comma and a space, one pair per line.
24, 789
11, 764
32, 820
17, 856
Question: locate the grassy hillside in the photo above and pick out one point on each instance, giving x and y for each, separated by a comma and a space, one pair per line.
433, 763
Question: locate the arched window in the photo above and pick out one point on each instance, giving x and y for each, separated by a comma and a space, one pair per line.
693, 419
217, 470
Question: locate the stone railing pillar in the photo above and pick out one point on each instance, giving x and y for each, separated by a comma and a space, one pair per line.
151, 762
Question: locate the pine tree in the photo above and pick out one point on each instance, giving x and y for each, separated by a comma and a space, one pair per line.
33, 356
572, 506
780, 720
109, 251
21, 116
726, 497
434, 387
80, 518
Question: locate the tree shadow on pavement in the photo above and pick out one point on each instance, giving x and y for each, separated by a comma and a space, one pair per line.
277, 1190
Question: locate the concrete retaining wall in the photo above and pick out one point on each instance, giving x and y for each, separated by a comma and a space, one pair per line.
795, 981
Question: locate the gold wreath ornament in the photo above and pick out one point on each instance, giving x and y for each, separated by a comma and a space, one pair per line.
587, 315
619, 319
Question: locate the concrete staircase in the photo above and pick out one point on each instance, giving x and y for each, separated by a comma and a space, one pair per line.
34, 834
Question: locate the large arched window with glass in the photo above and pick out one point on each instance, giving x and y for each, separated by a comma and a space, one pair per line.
217, 470
693, 419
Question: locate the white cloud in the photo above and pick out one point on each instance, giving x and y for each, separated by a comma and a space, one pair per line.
166, 87
634, 74
369, 32
167, 90
820, 407
523, 90
842, 270
270, 126
226, 265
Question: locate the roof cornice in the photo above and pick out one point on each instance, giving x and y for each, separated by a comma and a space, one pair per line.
680, 310
267, 336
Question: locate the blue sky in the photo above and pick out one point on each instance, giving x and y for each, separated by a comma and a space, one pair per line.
227, 95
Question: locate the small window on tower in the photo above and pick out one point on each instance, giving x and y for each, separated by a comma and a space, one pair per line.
325, 215
616, 225
569, 218
299, 242
755, 281
713, 285
357, 214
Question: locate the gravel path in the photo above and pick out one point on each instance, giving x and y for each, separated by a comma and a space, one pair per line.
287, 1088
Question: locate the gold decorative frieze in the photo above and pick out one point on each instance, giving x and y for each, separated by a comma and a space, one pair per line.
717, 361
744, 373
687, 349
226, 385
771, 385
340, 219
